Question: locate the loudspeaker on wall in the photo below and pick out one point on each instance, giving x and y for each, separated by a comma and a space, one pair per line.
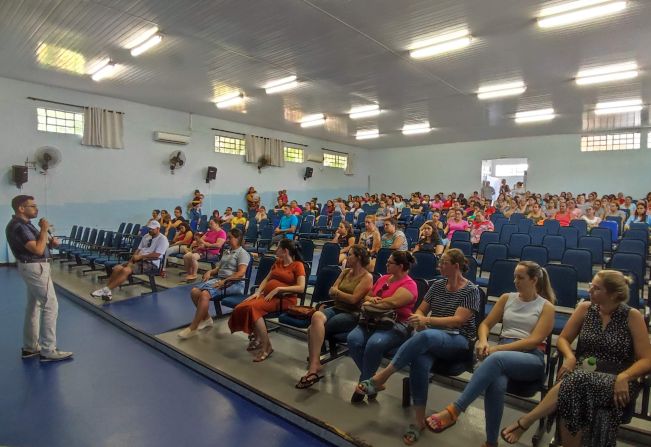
19, 175
211, 174
308, 173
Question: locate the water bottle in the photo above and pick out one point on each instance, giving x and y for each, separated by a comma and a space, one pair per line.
589, 364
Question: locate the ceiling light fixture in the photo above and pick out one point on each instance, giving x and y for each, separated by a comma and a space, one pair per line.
147, 45
441, 44
612, 107
104, 72
229, 100
578, 11
367, 134
364, 111
313, 120
281, 85
413, 129
607, 73
500, 90
532, 116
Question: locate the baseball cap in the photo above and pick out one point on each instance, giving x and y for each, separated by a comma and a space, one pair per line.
153, 224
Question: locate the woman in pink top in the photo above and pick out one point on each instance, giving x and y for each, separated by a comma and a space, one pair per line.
393, 291
563, 216
210, 244
455, 224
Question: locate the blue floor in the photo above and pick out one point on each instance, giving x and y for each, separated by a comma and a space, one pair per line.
117, 391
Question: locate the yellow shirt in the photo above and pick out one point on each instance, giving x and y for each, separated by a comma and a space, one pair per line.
238, 221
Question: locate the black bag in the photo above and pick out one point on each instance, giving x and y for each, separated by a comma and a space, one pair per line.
377, 319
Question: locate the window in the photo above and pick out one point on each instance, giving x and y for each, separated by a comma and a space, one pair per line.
514, 170
610, 142
293, 154
229, 145
331, 160
59, 121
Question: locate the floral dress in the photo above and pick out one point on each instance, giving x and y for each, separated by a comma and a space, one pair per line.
585, 400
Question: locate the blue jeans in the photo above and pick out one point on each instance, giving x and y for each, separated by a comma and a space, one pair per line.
338, 321
421, 351
368, 347
492, 377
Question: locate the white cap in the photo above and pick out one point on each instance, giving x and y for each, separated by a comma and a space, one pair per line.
153, 224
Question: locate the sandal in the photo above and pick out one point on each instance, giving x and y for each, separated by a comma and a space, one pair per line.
412, 435
369, 388
435, 424
308, 380
254, 345
519, 426
263, 356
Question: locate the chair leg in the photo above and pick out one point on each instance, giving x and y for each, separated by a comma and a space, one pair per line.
406, 392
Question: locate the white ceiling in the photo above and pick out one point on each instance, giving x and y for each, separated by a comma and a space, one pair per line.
345, 53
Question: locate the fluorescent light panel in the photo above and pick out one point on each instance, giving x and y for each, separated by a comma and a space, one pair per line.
413, 129
532, 116
313, 120
364, 111
500, 90
367, 134
607, 73
441, 44
104, 72
579, 11
281, 85
150, 43
612, 107
229, 100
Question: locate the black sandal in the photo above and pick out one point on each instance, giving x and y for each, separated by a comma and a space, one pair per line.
308, 380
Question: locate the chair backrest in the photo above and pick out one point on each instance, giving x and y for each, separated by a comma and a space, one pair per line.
471, 273
127, 229
135, 230
412, 235
321, 221
493, 253
360, 219
307, 250
596, 247
349, 217
613, 227
264, 267
496, 215
487, 237
381, 260
499, 223
632, 262
552, 226
464, 246
329, 256
120, 227
101, 235
251, 233
564, 281
265, 233
423, 287
78, 233
580, 225
324, 281
305, 228
171, 234
506, 232
634, 298
535, 253
617, 220
92, 239
405, 213
641, 235
516, 243
631, 246
606, 237
460, 236
108, 239
516, 217
501, 279
571, 235
524, 224
639, 226
555, 246
425, 267
581, 260
418, 221
537, 233
85, 235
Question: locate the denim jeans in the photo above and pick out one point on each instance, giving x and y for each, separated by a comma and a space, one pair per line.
421, 351
368, 347
42, 308
338, 321
492, 377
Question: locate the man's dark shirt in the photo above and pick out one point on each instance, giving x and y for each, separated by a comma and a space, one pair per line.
20, 233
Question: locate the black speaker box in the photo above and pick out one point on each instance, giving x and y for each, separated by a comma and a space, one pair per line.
19, 174
211, 174
308, 173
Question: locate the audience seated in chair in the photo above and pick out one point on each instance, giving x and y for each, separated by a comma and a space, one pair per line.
536, 214
591, 403
146, 259
155, 215
590, 218
287, 277
640, 215
287, 226
429, 240
393, 238
455, 223
180, 245
446, 328
479, 225
371, 239
210, 244
261, 214
563, 216
229, 272
345, 238
348, 292
165, 222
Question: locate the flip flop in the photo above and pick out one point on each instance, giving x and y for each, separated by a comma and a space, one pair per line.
435, 424
262, 357
519, 427
412, 435
368, 387
254, 345
308, 380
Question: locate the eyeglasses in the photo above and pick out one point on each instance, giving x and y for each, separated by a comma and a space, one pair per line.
391, 262
149, 243
30, 206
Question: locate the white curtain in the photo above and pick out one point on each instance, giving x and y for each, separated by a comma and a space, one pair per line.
271, 148
102, 128
350, 160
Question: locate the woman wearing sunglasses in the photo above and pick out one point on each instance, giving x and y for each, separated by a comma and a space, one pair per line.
393, 291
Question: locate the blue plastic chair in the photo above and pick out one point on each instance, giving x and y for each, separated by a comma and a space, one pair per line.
595, 246
571, 235
631, 262
499, 222
537, 233
425, 267
580, 225
329, 256
524, 225
516, 243
606, 237
639, 226
555, 246
381, 259
501, 279
506, 232
618, 221
564, 282
535, 253
461, 236
552, 226
493, 253
614, 229
464, 246
632, 246
487, 237
581, 260
516, 217
471, 273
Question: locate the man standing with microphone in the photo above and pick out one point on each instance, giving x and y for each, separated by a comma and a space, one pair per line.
31, 248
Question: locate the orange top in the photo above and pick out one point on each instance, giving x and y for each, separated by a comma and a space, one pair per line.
284, 275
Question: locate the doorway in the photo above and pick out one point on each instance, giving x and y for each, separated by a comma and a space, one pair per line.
513, 170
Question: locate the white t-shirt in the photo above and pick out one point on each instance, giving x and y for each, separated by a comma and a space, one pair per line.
520, 317
149, 245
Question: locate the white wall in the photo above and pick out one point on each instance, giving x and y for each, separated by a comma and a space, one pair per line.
555, 164
103, 187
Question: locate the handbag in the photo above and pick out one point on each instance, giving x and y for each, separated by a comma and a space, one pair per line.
377, 319
301, 312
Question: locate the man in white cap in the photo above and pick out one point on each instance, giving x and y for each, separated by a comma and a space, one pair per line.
146, 259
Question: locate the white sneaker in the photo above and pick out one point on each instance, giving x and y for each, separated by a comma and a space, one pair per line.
187, 333
55, 356
101, 293
205, 323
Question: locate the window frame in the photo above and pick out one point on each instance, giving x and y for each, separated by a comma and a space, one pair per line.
61, 120
337, 160
611, 142
238, 145
297, 157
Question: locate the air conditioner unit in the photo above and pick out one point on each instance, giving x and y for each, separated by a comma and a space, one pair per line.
172, 138
315, 158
